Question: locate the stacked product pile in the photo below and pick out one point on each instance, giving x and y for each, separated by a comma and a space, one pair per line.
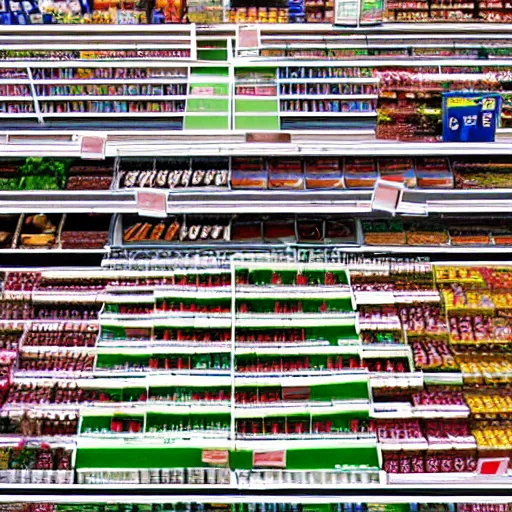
352, 358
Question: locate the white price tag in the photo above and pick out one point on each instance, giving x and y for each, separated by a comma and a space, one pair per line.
93, 147
248, 40
152, 203
387, 196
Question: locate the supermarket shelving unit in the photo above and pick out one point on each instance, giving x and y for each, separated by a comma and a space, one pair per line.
214, 122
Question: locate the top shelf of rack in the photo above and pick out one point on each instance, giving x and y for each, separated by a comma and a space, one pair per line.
162, 143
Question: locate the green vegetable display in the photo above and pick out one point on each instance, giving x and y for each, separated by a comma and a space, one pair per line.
39, 174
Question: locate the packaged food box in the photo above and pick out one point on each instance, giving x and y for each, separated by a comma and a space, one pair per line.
360, 173
426, 233
340, 232
324, 173
433, 173
384, 232
310, 230
282, 230
246, 229
399, 170
286, 174
249, 173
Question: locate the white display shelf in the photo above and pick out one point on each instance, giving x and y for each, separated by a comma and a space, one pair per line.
164, 437
290, 444
188, 381
163, 347
355, 438
329, 80
377, 297
293, 292
41, 407
116, 114
204, 349
131, 97
56, 350
149, 372
207, 322
289, 408
16, 98
5, 115
284, 113
92, 81
39, 296
290, 320
50, 374
405, 410
303, 378
387, 351
14, 81
293, 349
203, 143
396, 380
148, 441
458, 482
219, 292
328, 96
298, 267
465, 488
206, 113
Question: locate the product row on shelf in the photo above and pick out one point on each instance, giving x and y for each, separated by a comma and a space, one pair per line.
184, 11
232, 232
246, 11
203, 504
367, 371
452, 10
411, 102
446, 231
399, 99
254, 173
66, 231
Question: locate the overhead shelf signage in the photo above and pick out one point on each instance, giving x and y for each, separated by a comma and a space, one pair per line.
470, 117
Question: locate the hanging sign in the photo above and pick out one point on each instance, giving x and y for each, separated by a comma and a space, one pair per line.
470, 116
